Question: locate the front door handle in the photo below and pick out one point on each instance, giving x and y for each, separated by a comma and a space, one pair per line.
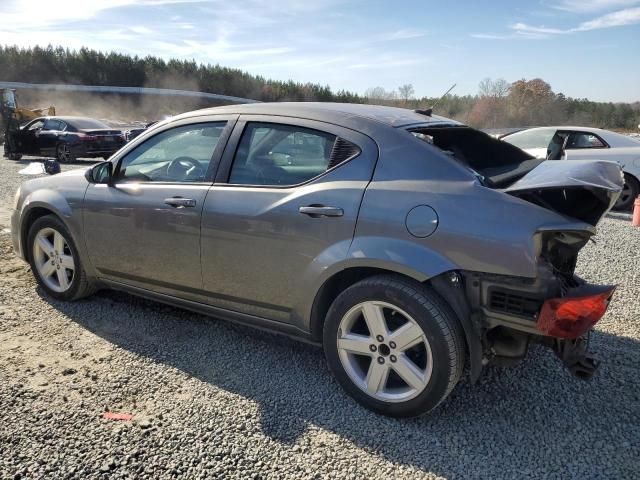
179, 202
316, 211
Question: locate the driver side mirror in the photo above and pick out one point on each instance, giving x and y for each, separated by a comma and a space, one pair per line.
101, 173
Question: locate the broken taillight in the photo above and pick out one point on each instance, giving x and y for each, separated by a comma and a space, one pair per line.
574, 315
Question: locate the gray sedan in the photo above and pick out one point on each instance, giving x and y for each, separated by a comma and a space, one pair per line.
402, 242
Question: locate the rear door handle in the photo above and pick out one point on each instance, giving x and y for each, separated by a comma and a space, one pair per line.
179, 202
316, 211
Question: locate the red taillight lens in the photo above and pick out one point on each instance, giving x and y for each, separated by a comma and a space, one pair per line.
571, 317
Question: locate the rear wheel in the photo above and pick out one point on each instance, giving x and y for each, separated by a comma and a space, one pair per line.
54, 260
63, 153
630, 192
394, 345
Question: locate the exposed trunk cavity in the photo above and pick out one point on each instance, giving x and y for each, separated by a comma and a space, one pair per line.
581, 189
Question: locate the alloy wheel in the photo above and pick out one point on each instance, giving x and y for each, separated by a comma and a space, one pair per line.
384, 351
53, 259
64, 153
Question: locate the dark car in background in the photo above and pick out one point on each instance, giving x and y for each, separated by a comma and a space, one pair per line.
134, 132
68, 138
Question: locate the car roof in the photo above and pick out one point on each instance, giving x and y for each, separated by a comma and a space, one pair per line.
567, 127
614, 139
341, 113
68, 118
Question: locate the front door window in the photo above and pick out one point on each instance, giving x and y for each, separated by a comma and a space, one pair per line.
182, 154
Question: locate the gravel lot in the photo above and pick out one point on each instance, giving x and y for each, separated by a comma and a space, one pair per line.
214, 400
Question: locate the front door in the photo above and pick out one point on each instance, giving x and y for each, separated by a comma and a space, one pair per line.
286, 200
28, 141
144, 228
48, 136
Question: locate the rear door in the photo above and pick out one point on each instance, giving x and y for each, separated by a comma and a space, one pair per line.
285, 200
144, 229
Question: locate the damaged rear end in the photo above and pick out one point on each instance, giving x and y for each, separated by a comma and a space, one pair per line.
556, 307
564, 307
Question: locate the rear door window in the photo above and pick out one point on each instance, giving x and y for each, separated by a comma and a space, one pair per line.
285, 155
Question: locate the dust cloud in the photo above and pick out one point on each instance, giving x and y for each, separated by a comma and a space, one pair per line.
115, 109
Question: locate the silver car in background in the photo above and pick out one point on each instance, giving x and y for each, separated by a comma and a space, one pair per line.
585, 143
402, 242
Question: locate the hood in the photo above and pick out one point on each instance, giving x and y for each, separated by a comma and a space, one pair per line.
580, 189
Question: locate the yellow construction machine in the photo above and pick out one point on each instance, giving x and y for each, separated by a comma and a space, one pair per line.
12, 116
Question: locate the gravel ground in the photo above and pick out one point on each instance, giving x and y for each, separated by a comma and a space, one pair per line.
214, 400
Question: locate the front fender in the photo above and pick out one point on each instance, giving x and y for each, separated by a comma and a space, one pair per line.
66, 205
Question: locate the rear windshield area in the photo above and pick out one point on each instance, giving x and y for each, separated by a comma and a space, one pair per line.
88, 124
498, 164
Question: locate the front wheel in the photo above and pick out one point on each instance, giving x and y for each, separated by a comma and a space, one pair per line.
394, 345
55, 261
630, 192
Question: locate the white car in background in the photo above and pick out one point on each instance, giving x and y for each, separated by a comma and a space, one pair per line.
584, 143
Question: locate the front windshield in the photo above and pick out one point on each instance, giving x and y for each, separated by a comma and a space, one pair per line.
532, 138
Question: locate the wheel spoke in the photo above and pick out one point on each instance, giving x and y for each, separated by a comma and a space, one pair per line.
44, 244
58, 243
406, 336
62, 278
377, 376
409, 372
354, 343
374, 317
67, 262
46, 269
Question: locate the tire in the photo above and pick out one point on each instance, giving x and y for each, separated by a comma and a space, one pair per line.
630, 192
78, 285
438, 356
63, 153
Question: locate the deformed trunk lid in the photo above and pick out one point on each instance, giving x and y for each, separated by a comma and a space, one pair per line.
599, 174
582, 189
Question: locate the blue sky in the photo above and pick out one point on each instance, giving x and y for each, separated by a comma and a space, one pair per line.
588, 48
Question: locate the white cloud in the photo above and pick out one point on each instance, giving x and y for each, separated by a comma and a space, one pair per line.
591, 6
141, 29
524, 28
23, 14
405, 33
627, 16
491, 36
